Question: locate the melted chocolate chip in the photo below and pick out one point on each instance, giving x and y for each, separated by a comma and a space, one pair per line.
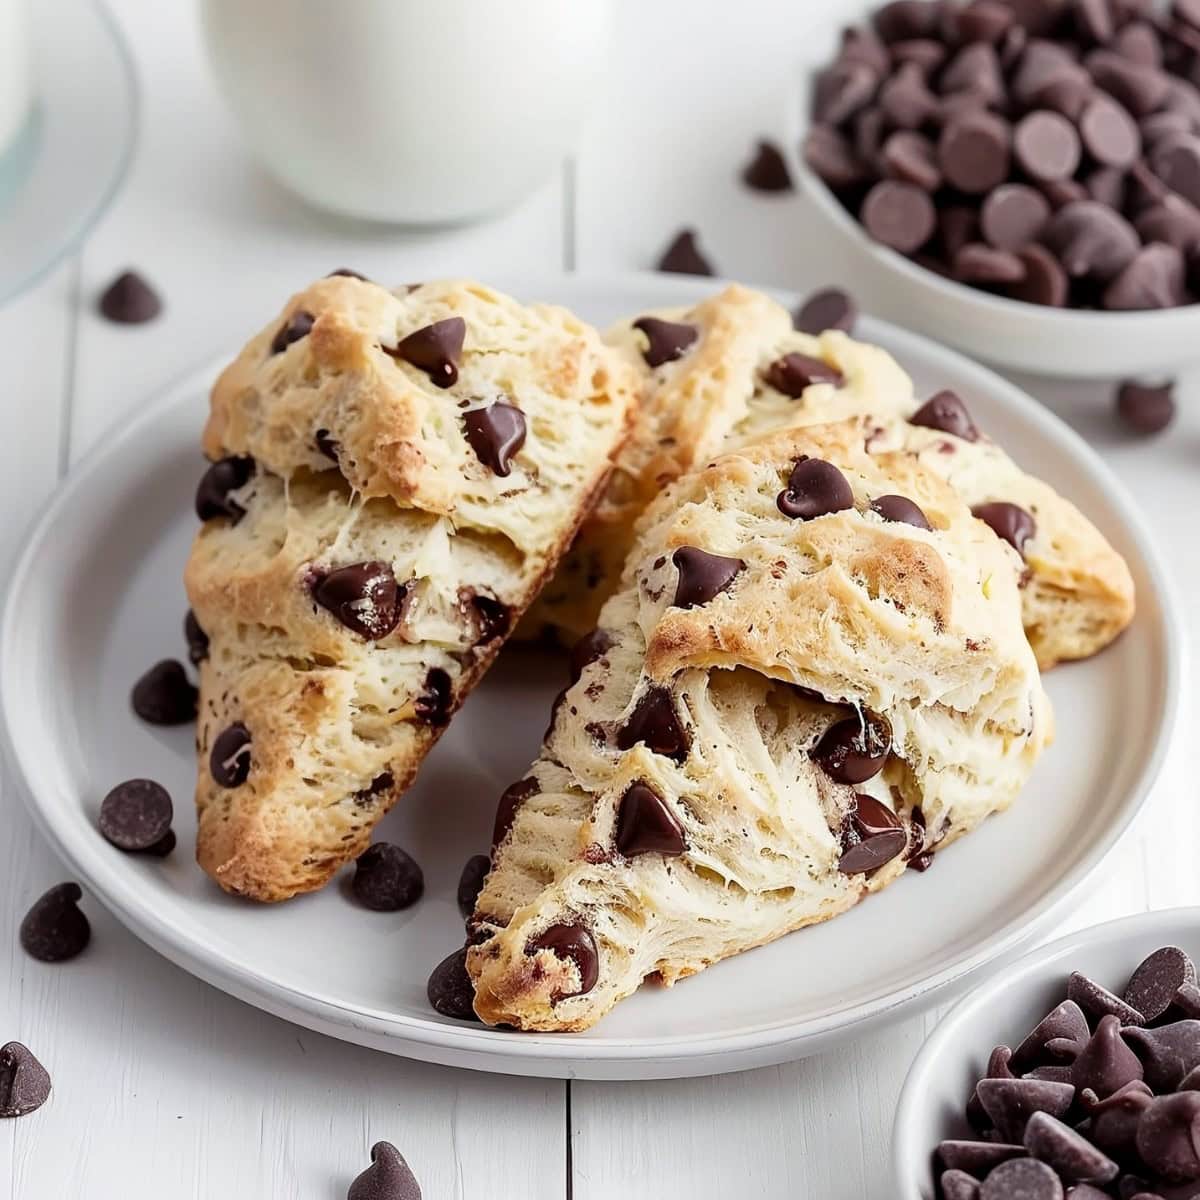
297, 326
55, 929
136, 814
450, 990
435, 349
702, 576
129, 300
794, 372
495, 433
24, 1082
387, 878
589, 649
492, 618
646, 824
510, 801
326, 445
901, 510
383, 782
1007, 521
655, 723
388, 1177
223, 477
197, 639
229, 761
815, 489
362, 596
854, 750
947, 413
666, 340
873, 835
433, 705
470, 882
164, 695
573, 942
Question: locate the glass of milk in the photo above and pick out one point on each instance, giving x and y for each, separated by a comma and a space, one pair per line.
411, 111
16, 87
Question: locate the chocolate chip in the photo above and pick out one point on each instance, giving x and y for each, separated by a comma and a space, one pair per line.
854, 750
1168, 1135
997, 1068
832, 158
511, 800
1071, 1155
1066, 1026
196, 638
767, 171
164, 695
683, 256
470, 882
1113, 1122
1110, 135
1091, 240
655, 723
665, 340
702, 576
1046, 145
841, 90
1139, 43
24, 1082
163, 846
298, 325
1138, 88
1153, 985
1107, 185
815, 488
1167, 1053
1153, 278
573, 942
435, 349
646, 824
899, 215
1187, 1000
946, 412
1146, 407
1045, 281
873, 835
229, 762
979, 21
973, 151
326, 444
495, 433
975, 68
434, 704
1093, 18
977, 263
129, 300
1013, 215
900, 509
976, 1158
903, 19
55, 929
1106, 1063
387, 1178
1099, 1002
830, 308
492, 618
958, 1185
1174, 221
387, 878
793, 373
136, 814
589, 649
1021, 1179
859, 44
364, 597
450, 990
1011, 1102
910, 157
347, 273
1007, 521
925, 53
225, 476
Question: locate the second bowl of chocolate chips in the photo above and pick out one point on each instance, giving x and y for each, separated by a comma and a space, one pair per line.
1019, 178
1071, 1074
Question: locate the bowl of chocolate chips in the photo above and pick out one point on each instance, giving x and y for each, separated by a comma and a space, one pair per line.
1020, 178
1072, 1074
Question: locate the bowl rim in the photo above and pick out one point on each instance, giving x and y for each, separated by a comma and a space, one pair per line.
816, 189
909, 1160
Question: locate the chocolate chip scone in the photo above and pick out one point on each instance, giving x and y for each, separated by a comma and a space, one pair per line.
732, 368
394, 475
813, 675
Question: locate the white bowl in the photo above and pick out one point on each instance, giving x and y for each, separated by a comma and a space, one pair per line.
1029, 337
1001, 1012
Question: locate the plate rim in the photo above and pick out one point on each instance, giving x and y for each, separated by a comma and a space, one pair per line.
598, 1057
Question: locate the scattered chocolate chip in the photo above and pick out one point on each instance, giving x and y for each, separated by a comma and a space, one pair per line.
55, 928
1021, 1179
767, 171
589, 649
196, 638
229, 762
298, 325
470, 882
163, 846
900, 215
655, 723
665, 340
511, 800
493, 618
349, 274
946, 412
815, 488
1168, 1137
495, 433
164, 695
702, 576
225, 476
1007, 521
129, 300
1013, 215
1106, 1063
854, 750
873, 835
683, 256
434, 704
387, 878
573, 942
326, 444
435, 349
830, 308
795, 372
1153, 985
646, 824
136, 814
24, 1082
388, 1177
450, 990
1099, 1002
1071, 1155
364, 597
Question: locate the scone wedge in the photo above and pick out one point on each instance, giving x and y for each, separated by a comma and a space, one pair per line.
732, 368
812, 676
393, 476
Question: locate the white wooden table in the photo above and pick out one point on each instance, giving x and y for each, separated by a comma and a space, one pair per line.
165, 1087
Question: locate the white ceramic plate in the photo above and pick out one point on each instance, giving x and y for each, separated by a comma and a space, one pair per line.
97, 597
